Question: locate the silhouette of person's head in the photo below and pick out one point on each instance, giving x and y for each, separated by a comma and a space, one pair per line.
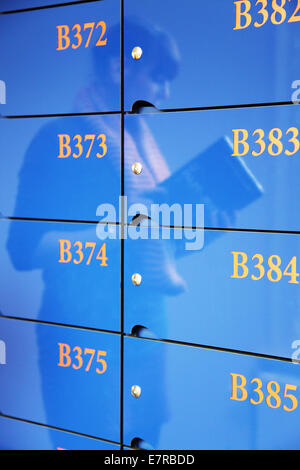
148, 77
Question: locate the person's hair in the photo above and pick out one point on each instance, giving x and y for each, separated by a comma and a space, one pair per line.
160, 52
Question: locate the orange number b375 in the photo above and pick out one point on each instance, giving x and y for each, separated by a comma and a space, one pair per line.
78, 357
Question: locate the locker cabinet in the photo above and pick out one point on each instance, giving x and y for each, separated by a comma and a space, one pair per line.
66, 61
62, 377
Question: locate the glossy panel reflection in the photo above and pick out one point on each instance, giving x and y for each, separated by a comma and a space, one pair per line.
233, 290
11, 5
19, 435
211, 53
68, 62
193, 398
60, 272
64, 377
242, 164
59, 168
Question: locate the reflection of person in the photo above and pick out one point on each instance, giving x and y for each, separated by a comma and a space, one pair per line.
76, 294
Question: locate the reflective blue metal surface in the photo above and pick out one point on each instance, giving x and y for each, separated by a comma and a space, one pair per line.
59, 168
186, 399
204, 54
64, 377
239, 291
60, 272
68, 62
10, 5
201, 307
242, 164
18, 435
